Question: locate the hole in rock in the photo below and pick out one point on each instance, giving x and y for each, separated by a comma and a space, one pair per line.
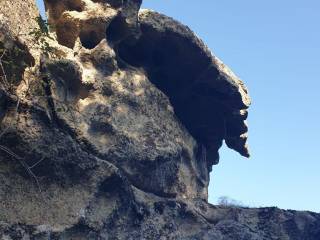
117, 30
67, 77
89, 39
84, 91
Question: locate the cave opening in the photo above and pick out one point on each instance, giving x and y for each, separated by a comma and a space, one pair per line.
117, 30
89, 39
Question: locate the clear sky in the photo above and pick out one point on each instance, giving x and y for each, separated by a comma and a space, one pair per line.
274, 46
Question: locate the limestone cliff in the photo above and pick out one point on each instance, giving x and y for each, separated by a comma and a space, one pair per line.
110, 122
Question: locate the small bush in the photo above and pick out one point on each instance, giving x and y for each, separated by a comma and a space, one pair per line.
226, 201
40, 36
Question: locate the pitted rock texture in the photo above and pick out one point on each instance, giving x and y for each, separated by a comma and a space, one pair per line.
89, 21
114, 137
207, 97
19, 15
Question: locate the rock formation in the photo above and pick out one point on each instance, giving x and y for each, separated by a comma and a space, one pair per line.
110, 124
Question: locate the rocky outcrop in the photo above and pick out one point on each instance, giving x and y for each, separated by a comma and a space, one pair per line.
90, 21
206, 96
111, 129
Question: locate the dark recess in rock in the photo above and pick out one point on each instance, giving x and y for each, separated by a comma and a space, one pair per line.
117, 30
89, 40
180, 67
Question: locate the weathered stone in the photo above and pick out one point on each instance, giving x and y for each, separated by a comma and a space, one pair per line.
15, 55
204, 93
20, 16
114, 136
88, 21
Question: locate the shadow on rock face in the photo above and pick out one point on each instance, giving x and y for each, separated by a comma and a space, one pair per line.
3, 105
15, 58
204, 95
67, 78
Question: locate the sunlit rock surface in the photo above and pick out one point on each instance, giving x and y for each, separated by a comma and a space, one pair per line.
114, 135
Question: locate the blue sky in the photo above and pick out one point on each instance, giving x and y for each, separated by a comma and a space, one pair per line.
274, 46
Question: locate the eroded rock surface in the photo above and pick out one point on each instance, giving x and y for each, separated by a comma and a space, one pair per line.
19, 15
114, 135
207, 97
